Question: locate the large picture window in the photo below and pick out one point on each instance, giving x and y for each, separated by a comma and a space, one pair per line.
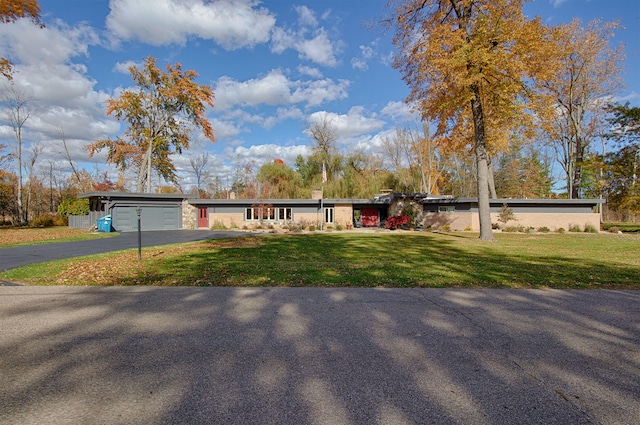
268, 214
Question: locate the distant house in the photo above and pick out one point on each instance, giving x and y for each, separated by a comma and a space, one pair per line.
179, 211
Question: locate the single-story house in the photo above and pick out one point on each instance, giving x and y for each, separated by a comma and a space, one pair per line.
180, 211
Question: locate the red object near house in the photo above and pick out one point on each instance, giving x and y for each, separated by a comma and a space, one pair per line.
203, 217
397, 221
370, 217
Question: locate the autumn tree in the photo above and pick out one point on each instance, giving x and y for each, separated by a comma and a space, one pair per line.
622, 166
396, 156
458, 175
466, 64
625, 123
4, 158
522, 172
160, 114
10, 11
279, 181
573, 98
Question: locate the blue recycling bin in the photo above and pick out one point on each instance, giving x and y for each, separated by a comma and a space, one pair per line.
104, 224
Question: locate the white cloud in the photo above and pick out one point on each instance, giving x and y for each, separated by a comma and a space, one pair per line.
353, 123
277, 89
29, 44
263, 154
318, 48
359, 64
400, 111
310, 71
223, 129
306, 16
123, 67
63, 95
281, 115
232, 24
368, 53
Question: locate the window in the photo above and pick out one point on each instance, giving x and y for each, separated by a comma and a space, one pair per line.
268, 213
285, 214
446, 209
251, 214
328, 215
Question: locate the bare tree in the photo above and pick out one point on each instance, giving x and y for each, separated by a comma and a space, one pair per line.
82, 183
17, 112
323, 132
36, 150
199, 166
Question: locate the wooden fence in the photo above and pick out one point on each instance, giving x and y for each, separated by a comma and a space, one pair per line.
85, 221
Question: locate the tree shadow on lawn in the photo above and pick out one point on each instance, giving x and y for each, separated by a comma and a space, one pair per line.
421, 260
308, 355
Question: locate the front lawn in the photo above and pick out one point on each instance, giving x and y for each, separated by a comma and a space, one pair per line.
16, 236
407, 259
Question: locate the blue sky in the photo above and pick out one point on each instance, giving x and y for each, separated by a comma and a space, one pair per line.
274, 66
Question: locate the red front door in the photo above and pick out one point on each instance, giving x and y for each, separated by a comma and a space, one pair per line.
369, 217
203, 217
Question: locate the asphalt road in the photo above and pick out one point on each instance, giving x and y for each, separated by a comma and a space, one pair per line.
11, 258
147, 355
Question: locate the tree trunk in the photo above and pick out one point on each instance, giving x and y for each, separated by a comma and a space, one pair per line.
21, 215
492, 184
149, 167
482, 166
144, 174
577, 172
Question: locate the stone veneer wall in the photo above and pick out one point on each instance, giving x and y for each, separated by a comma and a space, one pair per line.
189, 215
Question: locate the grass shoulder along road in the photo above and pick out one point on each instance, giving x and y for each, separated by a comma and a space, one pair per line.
18, 236
399, 259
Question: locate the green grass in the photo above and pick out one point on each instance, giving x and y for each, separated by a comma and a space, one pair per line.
623, 227
350, 259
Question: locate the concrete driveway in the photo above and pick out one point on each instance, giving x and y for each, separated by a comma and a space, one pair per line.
146, 355
11, 258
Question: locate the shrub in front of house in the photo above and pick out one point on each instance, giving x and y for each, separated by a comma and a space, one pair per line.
218, 225
396, 221
590, 228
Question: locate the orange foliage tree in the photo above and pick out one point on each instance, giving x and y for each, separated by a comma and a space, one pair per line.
466, 63
575, 97
160, 114
10, 11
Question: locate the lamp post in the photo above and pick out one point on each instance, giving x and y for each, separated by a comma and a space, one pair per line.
139, 211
